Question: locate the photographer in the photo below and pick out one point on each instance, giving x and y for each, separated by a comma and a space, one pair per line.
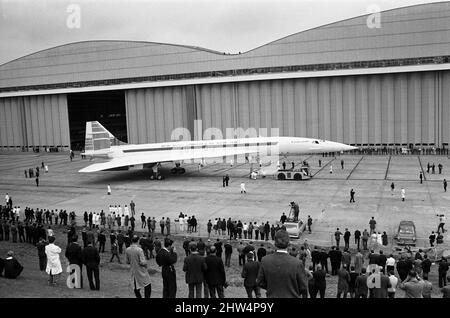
412, 285
295, 210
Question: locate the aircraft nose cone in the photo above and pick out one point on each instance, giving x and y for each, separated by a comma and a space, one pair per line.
344, 147
348, 148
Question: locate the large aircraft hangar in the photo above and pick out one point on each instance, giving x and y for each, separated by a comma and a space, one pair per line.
366, 81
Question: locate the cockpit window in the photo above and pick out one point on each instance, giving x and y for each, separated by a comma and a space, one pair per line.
316, 142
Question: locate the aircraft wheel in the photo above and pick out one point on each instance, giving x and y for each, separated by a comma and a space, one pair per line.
152, 177
182, 170
297, 176
281, 176
159, 177
173, 170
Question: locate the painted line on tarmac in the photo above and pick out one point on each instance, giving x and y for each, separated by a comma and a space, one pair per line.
430, 197
354, 168
323, 167
387, 168
421, 168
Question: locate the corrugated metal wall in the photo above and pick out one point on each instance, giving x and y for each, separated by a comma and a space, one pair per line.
374, 109
34, 121
365, 110
153, 113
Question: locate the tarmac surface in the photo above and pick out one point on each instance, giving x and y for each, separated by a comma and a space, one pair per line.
199, 192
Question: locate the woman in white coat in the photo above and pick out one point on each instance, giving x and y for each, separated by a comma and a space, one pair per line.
53, 262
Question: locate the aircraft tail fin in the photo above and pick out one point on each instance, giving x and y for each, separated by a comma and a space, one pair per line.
98, 138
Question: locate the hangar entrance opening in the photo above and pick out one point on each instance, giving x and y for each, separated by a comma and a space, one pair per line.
108, 108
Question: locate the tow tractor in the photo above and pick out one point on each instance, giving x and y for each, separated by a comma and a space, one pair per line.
302, 173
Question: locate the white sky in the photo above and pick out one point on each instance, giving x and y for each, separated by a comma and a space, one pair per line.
27, 26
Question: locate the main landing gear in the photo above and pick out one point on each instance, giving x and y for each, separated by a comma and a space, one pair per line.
177, 169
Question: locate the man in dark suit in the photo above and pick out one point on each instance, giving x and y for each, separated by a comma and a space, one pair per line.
250, 273
84, 236
361, 288
165, 258
402, 268
315, 257
215, 273
320, 283
228, 251
6, 228
120, 241
323, 256
41, 253
343, 282
357, 237
347, 235
381, 261
335, 260
75, 256
218, 246
101, 239
442, 271
194, 266
426, 266
91, 259
373, 260
282, 275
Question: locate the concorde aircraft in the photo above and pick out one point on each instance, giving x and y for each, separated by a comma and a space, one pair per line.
100, 143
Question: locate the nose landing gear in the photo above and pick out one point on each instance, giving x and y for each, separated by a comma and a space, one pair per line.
156, 175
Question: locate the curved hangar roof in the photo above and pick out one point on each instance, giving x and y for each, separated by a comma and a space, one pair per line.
410, 32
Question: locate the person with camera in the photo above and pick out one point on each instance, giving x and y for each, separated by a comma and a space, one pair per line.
295, 210
412, 285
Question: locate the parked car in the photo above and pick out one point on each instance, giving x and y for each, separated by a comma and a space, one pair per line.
294, 229
406, 233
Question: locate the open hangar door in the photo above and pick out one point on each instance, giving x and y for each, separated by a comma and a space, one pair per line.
106, 107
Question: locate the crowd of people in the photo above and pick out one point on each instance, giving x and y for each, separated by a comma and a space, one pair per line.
395, 150
205, 261
203, 265
35, 172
